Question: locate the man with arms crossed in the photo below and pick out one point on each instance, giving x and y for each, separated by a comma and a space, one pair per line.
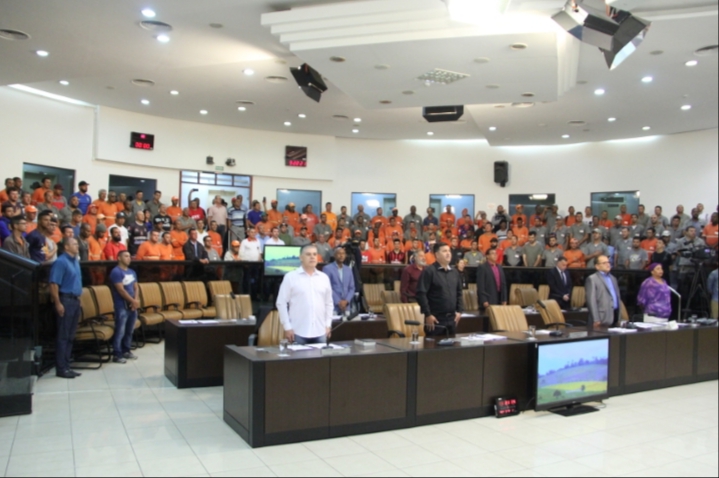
124, 297
440, 293
305, 302
602, 295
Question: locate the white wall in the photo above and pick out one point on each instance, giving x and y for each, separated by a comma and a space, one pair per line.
667, 170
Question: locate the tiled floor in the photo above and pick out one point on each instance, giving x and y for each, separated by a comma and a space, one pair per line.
130, 421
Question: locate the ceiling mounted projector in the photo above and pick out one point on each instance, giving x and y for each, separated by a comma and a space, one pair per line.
437, 114
310, 81
617, 36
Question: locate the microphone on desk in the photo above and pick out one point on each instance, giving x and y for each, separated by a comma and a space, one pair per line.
447, 342
679, 306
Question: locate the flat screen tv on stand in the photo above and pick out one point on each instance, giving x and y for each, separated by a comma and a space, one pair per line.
571, 374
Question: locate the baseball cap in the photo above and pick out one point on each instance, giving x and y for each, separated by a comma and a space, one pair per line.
30, 209
121, 215
83, 183
618, 217
666, 234
235, 244
597, 231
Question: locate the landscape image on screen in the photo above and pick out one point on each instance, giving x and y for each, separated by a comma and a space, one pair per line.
279, 260
572, 372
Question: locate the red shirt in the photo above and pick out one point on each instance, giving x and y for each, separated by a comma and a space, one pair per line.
410, 279
112, 249
396, 257
197, 214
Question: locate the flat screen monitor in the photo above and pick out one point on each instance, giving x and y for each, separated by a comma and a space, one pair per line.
572, 373
279, 260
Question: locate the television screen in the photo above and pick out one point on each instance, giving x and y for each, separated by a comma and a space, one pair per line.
279, 260
572, 373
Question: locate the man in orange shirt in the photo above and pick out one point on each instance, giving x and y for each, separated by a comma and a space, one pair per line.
571, 219
604, 220
274, 216
449, 226
650, 243
4, 194
38, 195
393, 230
331, 217
30, 216
150, 249
377, 233
521, 232
520, 215
446, 216
174, 211
166, 250
109, 209
101, 198
626, 217
507, 243
575, 257
179, 239
92, 219
377, 253
379, 218
711, 232
115, 246
216, 237
95, 253
485, 240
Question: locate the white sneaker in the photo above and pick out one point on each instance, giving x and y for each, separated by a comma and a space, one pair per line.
119, 360
130, 356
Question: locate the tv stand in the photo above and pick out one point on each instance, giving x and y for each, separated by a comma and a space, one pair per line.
574, 410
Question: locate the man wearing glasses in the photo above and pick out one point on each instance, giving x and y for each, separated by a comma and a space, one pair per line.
603, 299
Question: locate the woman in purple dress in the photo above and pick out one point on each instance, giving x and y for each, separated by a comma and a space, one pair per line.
654, 295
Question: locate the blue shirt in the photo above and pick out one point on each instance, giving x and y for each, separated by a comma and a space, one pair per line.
4, 229
66, 274
85, 201
254, 216
608, 280
128, 279
37, 243
713, 285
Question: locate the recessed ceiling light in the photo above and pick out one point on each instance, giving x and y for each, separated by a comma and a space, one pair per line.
647, 79
492, 87
382, 67
385, 102
612, 120
174, 92
287, 123
647, 128
430, 134
493, 128
519, 46
216, 26
64, 82
163, 38
657, 52
691, 63
482, 61
355, 131
408, 92
13, 35
145, 102
203, 112
302, 116
566, 136
248, 72
149, 13
528, 95
686, 107
358, 120
600, 91
241, 108
42, 53
338, 59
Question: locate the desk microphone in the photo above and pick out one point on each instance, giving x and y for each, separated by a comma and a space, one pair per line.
679, 307
447, 342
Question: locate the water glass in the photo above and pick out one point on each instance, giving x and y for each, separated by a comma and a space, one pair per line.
415, 337
533, 332
284, 344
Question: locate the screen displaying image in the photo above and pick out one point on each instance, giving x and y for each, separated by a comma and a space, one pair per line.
573, 372
279, 260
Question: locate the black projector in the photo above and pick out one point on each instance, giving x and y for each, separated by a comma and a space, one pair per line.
310, 81
436, 114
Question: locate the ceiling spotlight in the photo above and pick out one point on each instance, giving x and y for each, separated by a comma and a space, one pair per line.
309, 81
163, 38
287, 123
174, 92
241, 108
493, 128
64, 82
302, 116
355, 131
358, 120
691, 63
686, 107
566, 136
612, 120
42, 53
647, 79
203, 112
145, 102
600, 92
248, 72
647, 128
149, 13
430, 133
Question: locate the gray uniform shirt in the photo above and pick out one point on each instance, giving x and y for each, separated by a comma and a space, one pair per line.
301, 241
416, 218
562, 233
551, 256
474, 259
533, 252
323, 229
579, 231
637, 258
615, 234
541, 233
644, 220
591, 248
513, 257
624, 248
324, 250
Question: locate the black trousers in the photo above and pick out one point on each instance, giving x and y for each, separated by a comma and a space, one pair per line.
447, 325
66, 329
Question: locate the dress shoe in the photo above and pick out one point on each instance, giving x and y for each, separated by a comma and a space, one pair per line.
77, 374
66, 374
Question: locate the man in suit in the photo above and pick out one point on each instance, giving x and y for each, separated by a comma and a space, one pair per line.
603, 299
195, 252
560, 284
342, 281
491, 282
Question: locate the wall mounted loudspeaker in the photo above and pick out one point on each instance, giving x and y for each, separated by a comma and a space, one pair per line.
309, 81
501, 173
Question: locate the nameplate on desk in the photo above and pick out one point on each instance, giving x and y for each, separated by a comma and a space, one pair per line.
366, 343
335, 350
578, 335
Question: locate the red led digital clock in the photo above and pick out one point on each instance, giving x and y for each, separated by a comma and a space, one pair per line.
506, 407
142, 141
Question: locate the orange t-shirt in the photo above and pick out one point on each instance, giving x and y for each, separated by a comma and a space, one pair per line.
3, 196
608, 224
174, 213
711, 234
523, 217
331, 220
522, 234
57, 236
92, 221
38, 197
505, 244
179, 239
149, 251
393, 232
119, 207
94, 252
371, 238
575, 258
569, 221
377, 256
466, 244
293, 219
31, 226
444, 217
109, 211
485, 241
166, 252
216, 242
649, 245
626, 219
381, 219
430, 258
274, 218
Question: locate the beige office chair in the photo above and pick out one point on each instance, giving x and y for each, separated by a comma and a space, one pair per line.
470, 302
579, 297
513, 292
397, 314
526, 297
390, 297
219, 287
543, 292
398, 286
270, 333
507, 318
473, 287
92, 329
150, 311
373, 296
552, 315
196, 295
623, 313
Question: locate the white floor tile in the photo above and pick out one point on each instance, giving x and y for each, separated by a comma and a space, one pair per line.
359, 465
285, 454
5, 447
487, 464
611, 464
241, 460
409, 456
29, 446
150, 451
254, 472
568, 469
335, 447
317, 468
453, 448
380, 441
109, 455
530, 456
182, 466
40, 462
153, 434
440, 469
388, 474
131, 469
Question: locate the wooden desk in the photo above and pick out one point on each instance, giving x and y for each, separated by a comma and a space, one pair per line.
194, 352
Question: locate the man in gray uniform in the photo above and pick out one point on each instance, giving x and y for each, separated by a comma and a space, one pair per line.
540, 231
551, 254
550, 217
513, 256
595, 248
323, 229
561, 232
643, 218
580, 231
624, 248
615, 233
413, 218
638, 257
532, 251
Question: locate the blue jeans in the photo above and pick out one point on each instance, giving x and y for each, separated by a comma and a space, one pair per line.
66, 329
305, 341
124, 328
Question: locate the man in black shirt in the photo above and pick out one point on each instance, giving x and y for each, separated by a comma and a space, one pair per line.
439, 293
137, 233
162, 222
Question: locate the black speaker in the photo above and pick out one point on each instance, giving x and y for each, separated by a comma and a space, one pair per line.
437, 114
501, 173
310, 81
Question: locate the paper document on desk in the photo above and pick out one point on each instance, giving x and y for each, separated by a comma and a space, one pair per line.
211, 321
645, 326
490, 337
543, 332
299, 348
466, 316
188, 322
622, 331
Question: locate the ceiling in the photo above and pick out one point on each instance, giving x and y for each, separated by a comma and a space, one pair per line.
99, 48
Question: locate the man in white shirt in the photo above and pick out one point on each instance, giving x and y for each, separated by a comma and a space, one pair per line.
305, 302
274, 239
251, 248
218, 212
120, 224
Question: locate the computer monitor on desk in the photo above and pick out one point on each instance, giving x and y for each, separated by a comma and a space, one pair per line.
570, 374
279, 260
